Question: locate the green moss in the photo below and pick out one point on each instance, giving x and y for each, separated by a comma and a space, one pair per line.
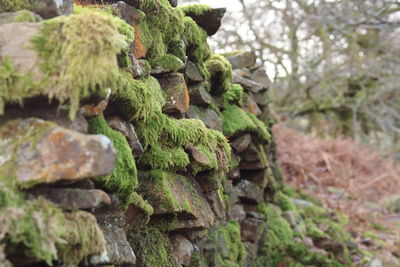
152, 248
178, 49
138, 99
284, 202
26, 16
233, 53
16, 5
167, 62
196, 9
234, 95
76, 62
235, 119
123, 179
142, 204
220, 74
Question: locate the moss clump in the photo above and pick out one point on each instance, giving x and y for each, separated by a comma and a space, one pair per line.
196, 9
142, 204
225, 246
198, 49
123, 180
178, 49
284, 202
26, 16
167, 62
139, 99
75, 62
16, 5
235, 119
234, 95
152, 248
220, 74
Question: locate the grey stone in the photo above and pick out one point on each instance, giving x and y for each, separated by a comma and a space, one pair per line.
177, 94
261, 77
208, 116
127, 11
237, 213
216, 204
251, 106
199, 95
242, 60
247, 83
43, 152
192, 72
250, 229
182, 247
209, 20
127, 129
197, 155
260, 99
73, 198
241, 143
174, 3
47, 8
249, 192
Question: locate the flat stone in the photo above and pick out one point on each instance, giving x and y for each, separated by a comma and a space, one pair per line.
35, 151
209, 20
249, 192
110, 214
216, 204
159, 69
177, 93
197, 155
127, 129
45, 8
252, 211
237, 213
250, 229
247, 84
259, 177
242, 60
259, 98
199, 95
210, 118
182, 247
192, 72
241, 143
261, 77
73, 198
50, 113
251, 105
127, 10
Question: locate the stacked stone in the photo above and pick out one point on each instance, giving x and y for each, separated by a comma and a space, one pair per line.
127, 160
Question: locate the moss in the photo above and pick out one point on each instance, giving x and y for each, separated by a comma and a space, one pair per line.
235, 119
234, 95
152, 248
16, 5
198, 49
220, 74
178, 49
26, 16
284, 202
138, 99
233, 53
165, 138
76, 62
167, 62
196, 9
142, 204
123, 179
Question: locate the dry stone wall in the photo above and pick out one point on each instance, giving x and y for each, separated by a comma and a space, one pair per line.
125, 141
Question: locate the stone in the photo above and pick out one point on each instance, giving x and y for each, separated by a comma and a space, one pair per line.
216, 204
47, 8
197, 155
174, 3
209, 20
237, 213
252, 211
242, 60
127, 129
249, 192
199, 95
10, 17
182, 247
261, 77
49, 113
250, 229
259, 177
159, 69
254, 165
73, 198
171, 193
111, 214
119, 251
94, 110
251, 106
241, 143
210, 118
251, 249
176, 91
259, 98
35, 151
127, 10
192, 72
247, 84
234, 173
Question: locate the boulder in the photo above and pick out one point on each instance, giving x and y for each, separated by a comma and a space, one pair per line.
73, 198
249, 192
177, 93
209, 20
35, 151
242, 60
199, 95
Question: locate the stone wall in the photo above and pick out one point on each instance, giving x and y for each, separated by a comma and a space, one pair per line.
125, 141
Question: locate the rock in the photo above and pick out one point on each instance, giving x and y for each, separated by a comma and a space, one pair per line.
127, 129
127, 10
182, 247
158, 69
254, 165
50, 113
242, 60
10, 17
259, 177
171, 193
261, 77
73, 198
199, 96
237, 213
234, 174
209, 20
119, 251
177, 94
45, 8
375, 262
174, 3
210, 118
246, 83
192, 72
217, 204
241, 143
250, 229
94, 110
251, 106
111, 214
252, 211
249, 192
259, 98
197, 155
251, 249
35, 151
